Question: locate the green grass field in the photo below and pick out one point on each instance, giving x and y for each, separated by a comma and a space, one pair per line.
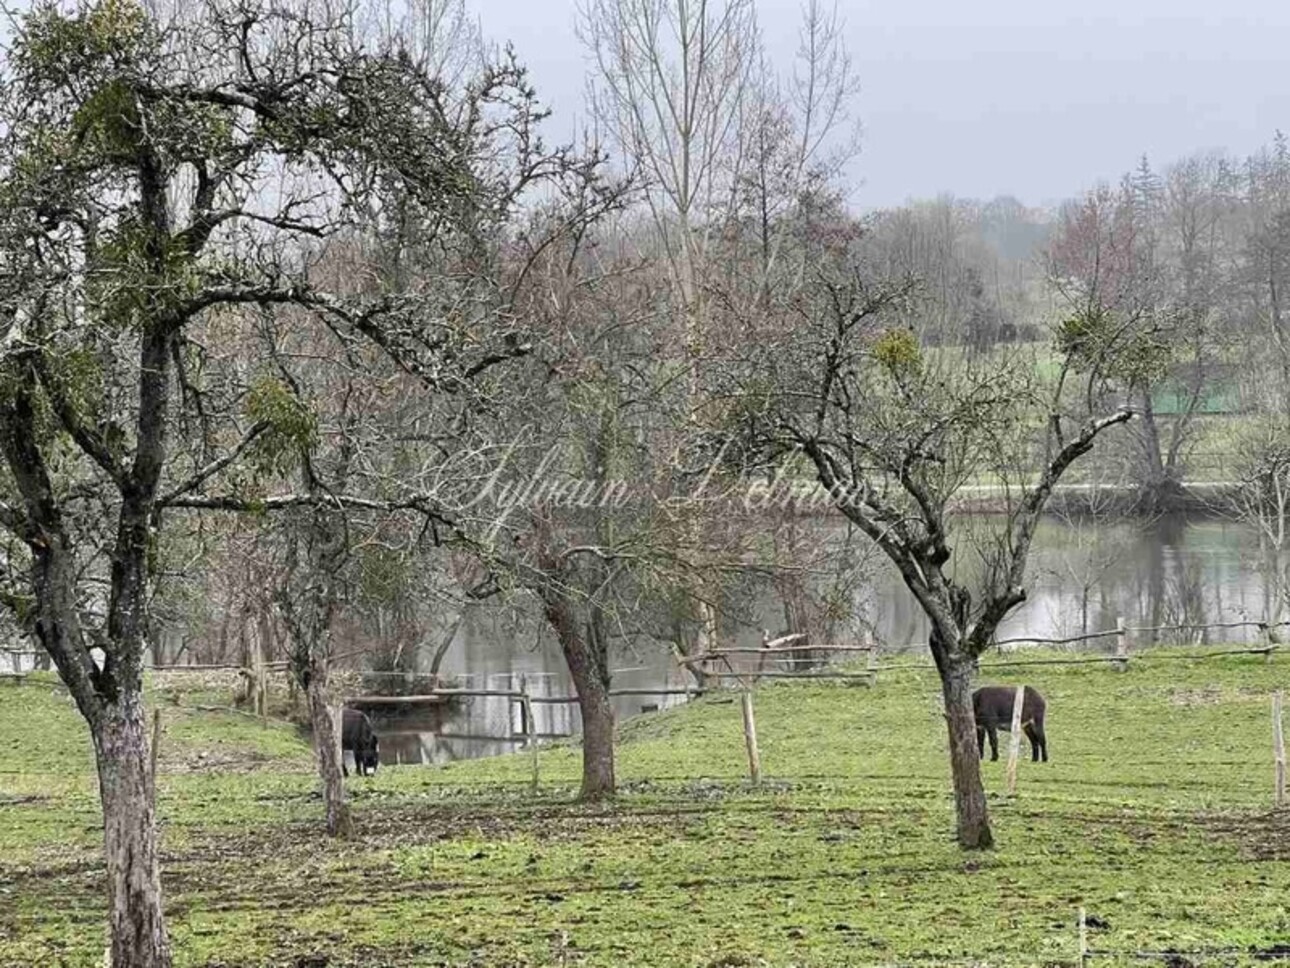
1155, 814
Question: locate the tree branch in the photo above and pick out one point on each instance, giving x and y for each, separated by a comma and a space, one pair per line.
1022, 528
423, 504
194, 237
213, 468
89, 439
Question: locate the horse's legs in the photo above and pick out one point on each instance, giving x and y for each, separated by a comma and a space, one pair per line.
980, 740
1033, 735
994, 741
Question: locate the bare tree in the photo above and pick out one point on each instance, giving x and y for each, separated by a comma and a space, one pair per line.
974, 263
1140, 265
438, 35
1263, 502
726, 150
892, 434
669, 89
1265, 263
563, 530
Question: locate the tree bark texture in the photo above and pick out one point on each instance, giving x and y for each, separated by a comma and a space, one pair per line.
126, 785
1159, 488
598, 780
111, 701
591, 680
965, 765
327, 746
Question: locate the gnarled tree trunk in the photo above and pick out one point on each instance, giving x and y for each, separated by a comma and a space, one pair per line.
126, 782
309, 598
327, 745
598, 780
1160, 490
111, 700
965, 764
590, 674
126, 785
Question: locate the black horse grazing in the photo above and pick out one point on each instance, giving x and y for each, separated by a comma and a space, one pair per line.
358, 737
993, 708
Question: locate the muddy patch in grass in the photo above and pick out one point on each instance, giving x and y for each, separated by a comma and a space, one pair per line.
1260, 837
1203, 696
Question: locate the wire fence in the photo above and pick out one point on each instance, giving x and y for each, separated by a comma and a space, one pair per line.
507, 709
719, 664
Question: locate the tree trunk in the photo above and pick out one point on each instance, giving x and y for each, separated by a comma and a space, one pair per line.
587, 668
444, 644
685, 646
327, 746
126, 785
598, 781
1160, 491
111, 701
965, 764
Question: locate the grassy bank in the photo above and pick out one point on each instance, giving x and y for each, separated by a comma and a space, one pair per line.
1154, 814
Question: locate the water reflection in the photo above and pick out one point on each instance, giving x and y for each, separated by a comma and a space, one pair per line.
1084, 576
489, 653
1168, 573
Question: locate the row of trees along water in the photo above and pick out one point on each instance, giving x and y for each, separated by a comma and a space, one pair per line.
296, 296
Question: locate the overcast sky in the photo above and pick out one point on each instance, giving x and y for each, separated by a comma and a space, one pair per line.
1036, 98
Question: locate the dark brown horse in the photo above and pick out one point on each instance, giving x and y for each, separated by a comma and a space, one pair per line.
358, 737
993, 708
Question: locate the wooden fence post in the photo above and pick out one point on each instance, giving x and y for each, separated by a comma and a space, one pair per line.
257, 677
156, 742
261, 678
1083, 938
530, 729
1270, 640
1121, 646
338, 726
1014, 743
750, 737
1279, 748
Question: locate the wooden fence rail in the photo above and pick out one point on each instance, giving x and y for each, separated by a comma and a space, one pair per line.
1138, 630
780, 648
916, 666
716, 654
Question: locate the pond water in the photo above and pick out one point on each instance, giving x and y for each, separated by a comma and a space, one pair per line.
1082, 577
